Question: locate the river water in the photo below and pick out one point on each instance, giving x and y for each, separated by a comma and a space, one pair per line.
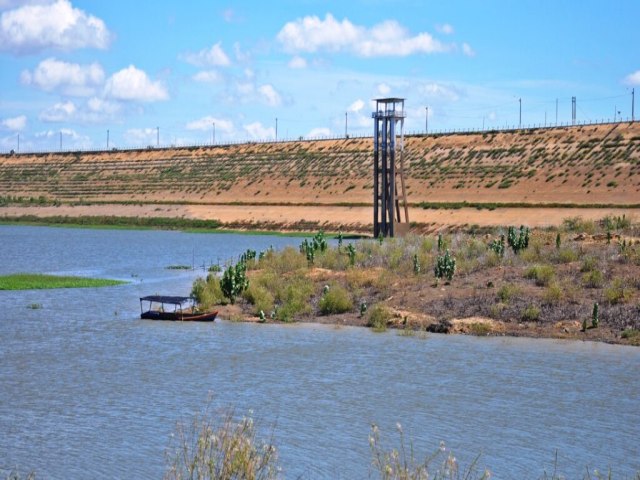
87, 390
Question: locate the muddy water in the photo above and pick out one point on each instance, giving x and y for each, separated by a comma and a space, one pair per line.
87, 390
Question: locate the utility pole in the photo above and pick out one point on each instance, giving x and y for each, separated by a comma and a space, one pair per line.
18, 144
545, 118
556, 112
633, 104
346, 124
157, 136
213, 139
573, 110
426, 120
107, 139
276, 129
520, 120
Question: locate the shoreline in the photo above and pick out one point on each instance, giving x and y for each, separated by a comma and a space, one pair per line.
470, 326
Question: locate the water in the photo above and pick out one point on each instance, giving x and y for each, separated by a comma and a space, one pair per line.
87, 390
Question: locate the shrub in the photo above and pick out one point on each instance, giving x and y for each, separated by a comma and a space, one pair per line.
508, 291
589, 264
542, 274
632, 335
259, 297
531, 313
578, 224
335, 300
593, 279
553, 293
379, 316
566, 255
616, 292
293, 298
207, 292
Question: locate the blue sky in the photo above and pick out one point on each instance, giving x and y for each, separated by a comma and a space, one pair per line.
79, 68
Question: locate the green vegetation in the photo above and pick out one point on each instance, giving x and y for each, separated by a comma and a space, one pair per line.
367, 281
335, 300
35, 281
165, 223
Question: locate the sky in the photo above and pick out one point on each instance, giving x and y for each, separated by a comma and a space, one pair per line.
81, 74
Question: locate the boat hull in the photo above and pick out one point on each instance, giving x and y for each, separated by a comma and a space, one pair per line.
179, 317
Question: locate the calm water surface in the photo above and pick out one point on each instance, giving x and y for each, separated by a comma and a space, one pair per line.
87, 390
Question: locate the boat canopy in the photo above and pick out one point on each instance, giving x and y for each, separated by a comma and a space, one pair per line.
166, 299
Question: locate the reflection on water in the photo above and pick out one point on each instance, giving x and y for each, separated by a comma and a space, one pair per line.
87, 390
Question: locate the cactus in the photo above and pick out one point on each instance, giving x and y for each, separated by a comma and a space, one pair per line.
325, 290
234, 281
518, 241
340, 238
440, 242
558, 241
594, 316
445, 266
498, 246
363, 308
262, 317
416, 264
352, 254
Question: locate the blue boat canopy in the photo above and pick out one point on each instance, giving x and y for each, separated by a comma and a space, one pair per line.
166, 299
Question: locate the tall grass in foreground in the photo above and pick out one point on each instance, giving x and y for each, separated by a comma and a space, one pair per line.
222, 449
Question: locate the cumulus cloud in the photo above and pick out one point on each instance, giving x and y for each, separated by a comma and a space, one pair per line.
14, 124
132, 84
208, 57
206, 123
633, 78
445, 28
68, 78
319, 133
356, 106
257, 131
384, 89
60, 112
312, 34
439, 91
467, 50
141, 136
297, 63
269, 95
33, 28
207, 76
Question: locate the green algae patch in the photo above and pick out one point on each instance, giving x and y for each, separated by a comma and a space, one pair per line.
34, 281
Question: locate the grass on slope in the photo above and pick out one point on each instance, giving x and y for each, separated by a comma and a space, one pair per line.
33, 281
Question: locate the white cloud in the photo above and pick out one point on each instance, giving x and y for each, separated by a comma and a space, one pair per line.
297, 63
33, 28
269, 95
467, 50
633, 78
384, 89
438, 91
15, 124
133, 84
206, 123
356, 106
389, 38
208, 57
68, 78
445, 28
257, 131
141, 136
60, 112
319, 133
207, 76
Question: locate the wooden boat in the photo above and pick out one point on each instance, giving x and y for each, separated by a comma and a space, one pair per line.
180, 309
